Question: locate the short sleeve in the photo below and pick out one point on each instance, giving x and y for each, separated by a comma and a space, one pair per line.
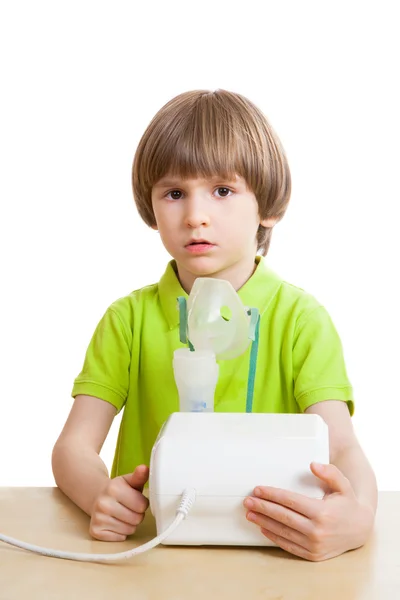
105, 372
319, 370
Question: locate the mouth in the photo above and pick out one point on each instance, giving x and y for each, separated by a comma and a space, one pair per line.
199, 246
199, 242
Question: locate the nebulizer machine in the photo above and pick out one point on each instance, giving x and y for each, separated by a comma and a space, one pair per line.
205, 463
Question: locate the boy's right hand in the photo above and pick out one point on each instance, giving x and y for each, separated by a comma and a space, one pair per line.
120, 507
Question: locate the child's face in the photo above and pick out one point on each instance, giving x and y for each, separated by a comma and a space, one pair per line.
208, 226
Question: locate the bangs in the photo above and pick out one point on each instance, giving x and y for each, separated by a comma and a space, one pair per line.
210, 139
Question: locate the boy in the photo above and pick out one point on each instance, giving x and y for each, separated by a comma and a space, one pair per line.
211, 176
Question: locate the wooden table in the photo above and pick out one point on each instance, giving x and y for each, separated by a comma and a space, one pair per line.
44, 516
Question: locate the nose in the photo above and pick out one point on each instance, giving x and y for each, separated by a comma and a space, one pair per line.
196, 214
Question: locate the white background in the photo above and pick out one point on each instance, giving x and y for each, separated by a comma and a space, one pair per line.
80, 82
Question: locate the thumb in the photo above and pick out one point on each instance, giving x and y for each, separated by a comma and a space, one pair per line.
138, 478
331, 476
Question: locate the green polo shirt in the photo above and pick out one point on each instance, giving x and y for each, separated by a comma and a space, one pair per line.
129, 359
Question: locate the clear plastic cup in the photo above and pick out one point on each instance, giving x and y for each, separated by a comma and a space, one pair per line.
196, 376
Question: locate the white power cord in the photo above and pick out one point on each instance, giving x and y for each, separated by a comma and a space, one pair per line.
188, 498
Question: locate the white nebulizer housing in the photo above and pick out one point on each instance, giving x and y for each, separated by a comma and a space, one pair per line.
224, 456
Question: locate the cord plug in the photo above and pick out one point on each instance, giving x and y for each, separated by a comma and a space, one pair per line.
188, 498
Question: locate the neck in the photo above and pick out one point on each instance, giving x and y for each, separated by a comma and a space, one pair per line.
236, 274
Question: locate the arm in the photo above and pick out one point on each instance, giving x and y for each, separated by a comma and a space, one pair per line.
345, 451
116, 506
77, 467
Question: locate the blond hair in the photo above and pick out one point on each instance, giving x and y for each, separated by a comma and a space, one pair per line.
203, 133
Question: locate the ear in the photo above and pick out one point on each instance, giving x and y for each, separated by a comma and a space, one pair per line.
270, 222
154, 227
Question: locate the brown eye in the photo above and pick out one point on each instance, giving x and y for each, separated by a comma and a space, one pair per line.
223, 192
175, 195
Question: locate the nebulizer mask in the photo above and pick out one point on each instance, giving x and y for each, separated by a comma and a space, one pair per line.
216, 326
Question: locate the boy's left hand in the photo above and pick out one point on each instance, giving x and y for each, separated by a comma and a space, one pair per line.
310, 528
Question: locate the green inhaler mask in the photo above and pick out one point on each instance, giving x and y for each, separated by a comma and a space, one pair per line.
216, 326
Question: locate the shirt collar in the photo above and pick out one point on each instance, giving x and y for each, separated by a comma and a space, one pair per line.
257, 292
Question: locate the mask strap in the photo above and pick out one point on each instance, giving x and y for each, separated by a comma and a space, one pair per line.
182, 307
254, 330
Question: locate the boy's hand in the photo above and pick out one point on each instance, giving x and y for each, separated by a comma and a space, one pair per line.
120, 507
312, 529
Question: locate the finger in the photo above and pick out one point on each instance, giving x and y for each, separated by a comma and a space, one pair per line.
308, 507
138, 478
107, 536
291, 547
332, 476
131, 517
109, 507
280, 530
103, 522
263, 512
130, 498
